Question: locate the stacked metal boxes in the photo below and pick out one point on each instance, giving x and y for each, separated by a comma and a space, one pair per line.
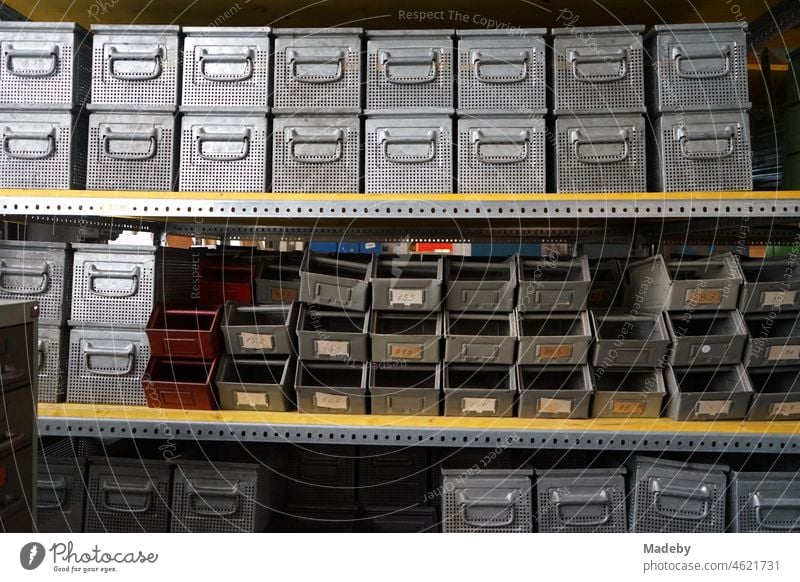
699, 108
44, 83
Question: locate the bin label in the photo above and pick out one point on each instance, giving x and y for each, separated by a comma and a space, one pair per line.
332, 349
704, 296
785, 409
406, 297
251, 399
333, 401
554, 352
406, 351
783, 353
479, 405
597, 295
627, 407
283, 294
256, 341
778, 298
712, 407
555, 406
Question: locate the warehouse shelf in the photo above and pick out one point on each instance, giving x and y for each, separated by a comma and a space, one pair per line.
101, 421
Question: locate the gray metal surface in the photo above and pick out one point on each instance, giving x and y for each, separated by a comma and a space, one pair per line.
53, 355
406, 390
707, 392
776, 393
336, 280
554, 338
632, 393
553, 285
333, 335
764, 502
769, 285
774, 340
479, 390
706, 339
406, 337
625, 340
481, 283
480, 338
61, 494
260, 329
554, 391
256, 383
407, 283
331, 388
277, 278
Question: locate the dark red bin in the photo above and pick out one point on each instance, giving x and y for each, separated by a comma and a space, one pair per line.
179, 383
184, 333
225, 281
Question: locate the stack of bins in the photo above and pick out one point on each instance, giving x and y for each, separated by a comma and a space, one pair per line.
598, 79
132, 129
44, 84
699, 108
224, 95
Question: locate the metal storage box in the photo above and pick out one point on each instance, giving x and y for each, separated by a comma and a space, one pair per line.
316, 153
676, 497
392, 477
43, 149
606, 283
221, 497
764, 502
409, 68
773, 341
554, 338
502, 70
225, 68
256, 383
38, 271
225, 279
410, 283
710, 283
106, 365
260, 329
479, 390
128, 495
408, 152
707, 392
554, 391
705, 339
630, 341
324, 334
698, 66
488, 501
134, 151
341, 281
318, 69
332, 388
481, 283
416, 519
184, 333
581, 501
45, 65
277, 280
61, 494
601, 153
499, 152
135, 66
223, 153
53, 355
553, 285
707, 151
405, 390
480, 338
598, 68
776, 393
634, 393
321, 476
406, 337
769, 285
180, 383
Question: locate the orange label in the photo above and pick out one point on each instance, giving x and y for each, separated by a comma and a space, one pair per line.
283, 294
629, 408
704, 296
555, 352
596, 295
406, 351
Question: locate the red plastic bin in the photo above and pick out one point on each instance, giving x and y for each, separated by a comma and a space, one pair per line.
222, 281
184, 384
185, 333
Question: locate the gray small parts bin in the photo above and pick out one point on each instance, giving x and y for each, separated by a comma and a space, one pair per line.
340, 281
480, 338
635, 393
392, 477
606, 283
407, 283
776, 393
61, 494
277, 279
489, 501
405, 390
764, 502
256, 383
705, 339
331, 388
260, 329
581, 501
325, 334
554, 338
769, 285
53, 357
321, 476
630, 341
479, 390
481, 283
406, 337
773, 341
553, 285
554, 391
708, 392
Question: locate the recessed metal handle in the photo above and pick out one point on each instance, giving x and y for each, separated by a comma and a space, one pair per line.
245, 58
132, 274
507, 502
760, 504
431, 58
621, 137
480, 59
562, 498
8, 271
128, 351
335, 139
295, 58
428, 139
197, 492
521, 139
701, 493
618, 58
156, 55
685, 136
131, 137
127, 491
205, 137
681, 55
49, 137
59, 486
50, 53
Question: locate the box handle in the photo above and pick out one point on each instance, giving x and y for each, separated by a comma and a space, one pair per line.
336, 139
610, 58
245, 57
562, 498
680, 55
50, 53
479, 59
482, 355
132, 138
294, 58
128, 351
59, 486
6, 270
427, 139
196, 492
507, 502
432, 58
41, 350
155, 55
128, 492
521, 139
49, 137
684, 137
621, 137
131, 274
242, 136
761, 503
661, 490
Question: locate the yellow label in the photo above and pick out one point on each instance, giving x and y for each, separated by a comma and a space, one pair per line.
256, 341
713, 407
251, 399
555, 406
597, 294
628, 408
283, 294
479, 405
406, 351
778, 298
784, 409
554, 352
783, 353
333, 401
704, 296
333, 349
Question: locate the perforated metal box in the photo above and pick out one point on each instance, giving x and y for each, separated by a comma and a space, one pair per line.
223, 153
481, 283
321, 476
479, 390
406, 337
707, 151
135, 66
333, 335
601, 153
260, 329
705, 339
772, 341
331, 388
392, 477
408, 152
598, 68
318, 153
53, 349
707, 392
277, 279
409, 68
256, 383
405, 389
554, 338
318, 69
135, 151
338, 280
45, 65
38, 271
776, 393
60, 494
581, 501
487, 501
764, 502
553, 285
631, 393
106, 365
225, 68
676, 497
502, 69
624, 340
769, 285
698, 66
483, 338
407, 283
554, 391
43, 149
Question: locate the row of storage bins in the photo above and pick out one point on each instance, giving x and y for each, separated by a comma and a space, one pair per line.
694, 67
